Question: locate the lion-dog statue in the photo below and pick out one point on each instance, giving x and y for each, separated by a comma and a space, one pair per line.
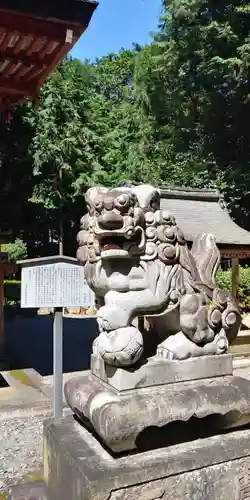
139, 265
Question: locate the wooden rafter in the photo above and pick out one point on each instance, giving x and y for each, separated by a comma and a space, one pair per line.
63, 50
31, 46
6, 41
25, 59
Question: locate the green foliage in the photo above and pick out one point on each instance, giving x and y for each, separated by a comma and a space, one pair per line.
17, 250
63, 145
176, 112
200, 95
12, 282
224, 278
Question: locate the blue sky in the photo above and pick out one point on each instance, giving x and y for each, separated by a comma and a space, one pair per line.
117, 24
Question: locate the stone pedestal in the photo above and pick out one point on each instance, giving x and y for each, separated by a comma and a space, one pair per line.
77, 467
164, 430
157, 371
120, 405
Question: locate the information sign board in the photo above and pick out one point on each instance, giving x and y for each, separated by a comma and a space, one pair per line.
55, 282
55, 285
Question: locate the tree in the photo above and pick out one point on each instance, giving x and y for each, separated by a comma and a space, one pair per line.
16, 178
199, 94
175, 112
128, 143
63, 147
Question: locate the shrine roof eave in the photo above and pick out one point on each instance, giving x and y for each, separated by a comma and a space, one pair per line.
72, 11
234, 251
32, 47
200, 211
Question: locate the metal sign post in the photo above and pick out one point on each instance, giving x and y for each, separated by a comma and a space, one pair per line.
58, 363
57, 282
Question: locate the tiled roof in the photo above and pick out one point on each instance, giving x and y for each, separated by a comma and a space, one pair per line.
201, 211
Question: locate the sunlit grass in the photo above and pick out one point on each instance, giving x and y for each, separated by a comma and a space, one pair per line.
21, 376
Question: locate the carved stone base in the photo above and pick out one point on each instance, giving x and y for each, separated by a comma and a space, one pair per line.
158, 371
120, 418
77, 467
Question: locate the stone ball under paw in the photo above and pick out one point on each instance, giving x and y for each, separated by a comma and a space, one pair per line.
121, 347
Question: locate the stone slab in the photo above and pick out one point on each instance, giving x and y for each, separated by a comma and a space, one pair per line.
11, 396
119, 418
77, 467
157, 371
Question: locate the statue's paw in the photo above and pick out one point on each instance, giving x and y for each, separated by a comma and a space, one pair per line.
164, 353
111, 318
221, 343
176, 347
113, 298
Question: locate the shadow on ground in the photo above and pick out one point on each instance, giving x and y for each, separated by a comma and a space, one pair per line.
3, 383
29, 343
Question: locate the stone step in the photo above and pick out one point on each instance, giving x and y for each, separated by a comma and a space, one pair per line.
28, 491
30, 380
23, 379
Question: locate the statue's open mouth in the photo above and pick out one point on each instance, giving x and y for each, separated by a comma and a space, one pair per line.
117, 246
115, 243
113, 247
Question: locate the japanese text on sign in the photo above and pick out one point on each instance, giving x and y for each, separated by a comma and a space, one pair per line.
55, 285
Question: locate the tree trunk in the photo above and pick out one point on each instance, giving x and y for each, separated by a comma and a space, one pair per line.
61, 236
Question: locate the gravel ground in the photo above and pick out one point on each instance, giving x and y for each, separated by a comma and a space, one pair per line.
21, 448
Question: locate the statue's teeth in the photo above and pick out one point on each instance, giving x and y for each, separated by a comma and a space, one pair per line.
113, 253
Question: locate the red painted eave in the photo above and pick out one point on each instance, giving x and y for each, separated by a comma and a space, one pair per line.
30, 49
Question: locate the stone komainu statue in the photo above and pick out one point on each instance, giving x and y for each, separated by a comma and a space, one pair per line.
138, 264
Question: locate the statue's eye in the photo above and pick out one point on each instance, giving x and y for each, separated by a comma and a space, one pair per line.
98, 204
122, 201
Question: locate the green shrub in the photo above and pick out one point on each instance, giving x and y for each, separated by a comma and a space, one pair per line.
224, 279
16, 250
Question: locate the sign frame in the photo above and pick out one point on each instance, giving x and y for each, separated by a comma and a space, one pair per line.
54, 282
55, 262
